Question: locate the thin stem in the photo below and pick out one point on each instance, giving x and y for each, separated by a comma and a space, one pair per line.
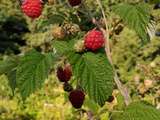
120, 86
106, 32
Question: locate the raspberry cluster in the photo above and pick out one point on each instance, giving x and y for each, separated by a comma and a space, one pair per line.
77, 96
93, 41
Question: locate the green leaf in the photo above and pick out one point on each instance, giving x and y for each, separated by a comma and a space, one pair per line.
137, 17
32, 71
67, 45
139, 111
90, 104
56, 18
50, 20
50, 58
61, 46
7, 65
95, 74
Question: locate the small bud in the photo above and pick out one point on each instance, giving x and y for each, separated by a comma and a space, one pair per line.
79, 46
58, 32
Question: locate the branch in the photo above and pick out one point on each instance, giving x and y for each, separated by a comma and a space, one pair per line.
120, 86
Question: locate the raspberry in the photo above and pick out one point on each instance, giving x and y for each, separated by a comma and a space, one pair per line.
94, 40
74, 2
76, 98
65, 74
32, 8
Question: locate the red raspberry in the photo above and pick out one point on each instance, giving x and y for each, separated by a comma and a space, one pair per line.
76, 98
94, 40
32, 8
74, 2
65, 74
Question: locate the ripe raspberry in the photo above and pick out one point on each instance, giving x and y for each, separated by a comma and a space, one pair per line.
76, 98
65, 74
94, 40
74, 2
32, 8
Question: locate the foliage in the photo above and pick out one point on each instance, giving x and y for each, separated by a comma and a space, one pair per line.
32, 71
139, 111
137, 17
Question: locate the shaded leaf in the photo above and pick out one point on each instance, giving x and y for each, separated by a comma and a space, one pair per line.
7, 65
137, 17
12, 79
63, 47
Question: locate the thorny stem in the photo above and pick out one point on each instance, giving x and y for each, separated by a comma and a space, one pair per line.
120, 86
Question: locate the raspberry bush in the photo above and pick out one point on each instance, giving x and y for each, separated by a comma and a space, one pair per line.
74, 40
